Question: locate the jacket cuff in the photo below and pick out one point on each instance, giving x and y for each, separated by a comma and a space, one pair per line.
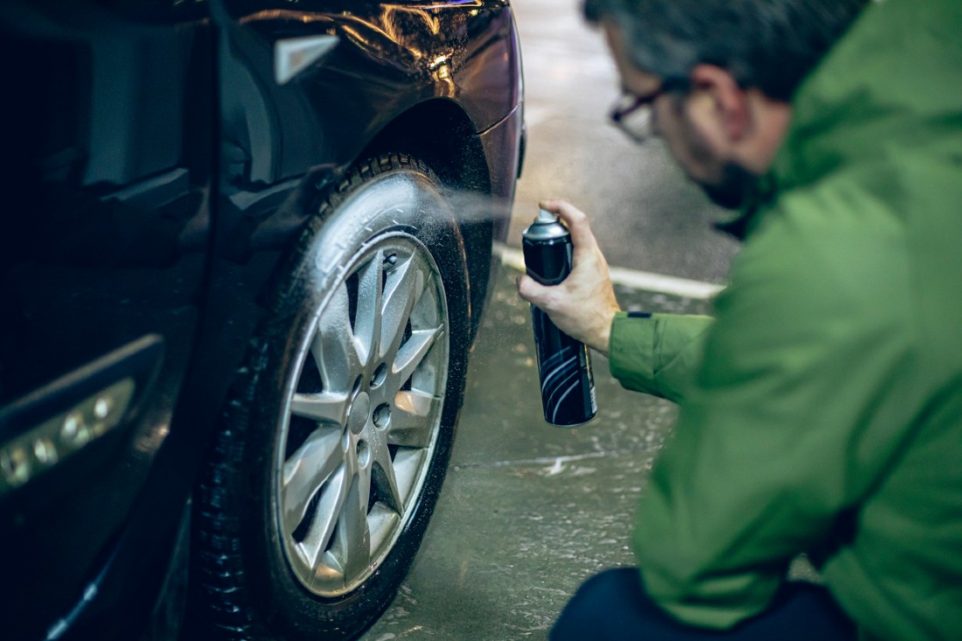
631, 353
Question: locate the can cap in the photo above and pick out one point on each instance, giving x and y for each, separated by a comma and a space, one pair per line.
546, 227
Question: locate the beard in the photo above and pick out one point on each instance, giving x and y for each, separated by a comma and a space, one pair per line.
734, 187
731, 185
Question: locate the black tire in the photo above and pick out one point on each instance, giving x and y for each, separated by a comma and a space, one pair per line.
249, 582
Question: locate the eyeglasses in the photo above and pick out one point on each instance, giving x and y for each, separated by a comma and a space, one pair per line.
634, 114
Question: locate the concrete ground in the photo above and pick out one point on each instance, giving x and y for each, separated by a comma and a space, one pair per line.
529, 511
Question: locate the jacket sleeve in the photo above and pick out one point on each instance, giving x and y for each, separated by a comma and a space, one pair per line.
801, 400
656, 353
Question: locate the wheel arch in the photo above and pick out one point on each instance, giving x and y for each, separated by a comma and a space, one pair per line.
441, 134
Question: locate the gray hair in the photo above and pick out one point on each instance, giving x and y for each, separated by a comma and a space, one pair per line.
770, 45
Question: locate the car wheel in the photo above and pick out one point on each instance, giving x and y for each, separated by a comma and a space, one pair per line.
332, 451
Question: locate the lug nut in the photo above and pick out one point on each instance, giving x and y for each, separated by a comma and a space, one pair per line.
382, 416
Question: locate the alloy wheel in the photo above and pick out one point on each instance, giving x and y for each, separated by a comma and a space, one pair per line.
362, 420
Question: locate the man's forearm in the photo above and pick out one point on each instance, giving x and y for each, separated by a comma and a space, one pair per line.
657, 353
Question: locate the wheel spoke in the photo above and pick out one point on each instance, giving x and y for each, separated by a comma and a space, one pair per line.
404, 288
335, 348
352, 537
370, 294
326, 406
410, 424
329, 508
411, 354
407, 464
306, 471
383, 521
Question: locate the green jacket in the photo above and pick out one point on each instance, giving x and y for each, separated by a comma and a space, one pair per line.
821, 410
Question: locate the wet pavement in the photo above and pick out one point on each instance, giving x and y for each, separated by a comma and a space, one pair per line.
529, 511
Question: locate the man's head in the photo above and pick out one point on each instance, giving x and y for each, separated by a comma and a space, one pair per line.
718, 76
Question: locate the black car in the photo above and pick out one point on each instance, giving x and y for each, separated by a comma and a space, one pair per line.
245, 246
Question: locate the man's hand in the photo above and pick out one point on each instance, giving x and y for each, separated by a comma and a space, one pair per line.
583, 305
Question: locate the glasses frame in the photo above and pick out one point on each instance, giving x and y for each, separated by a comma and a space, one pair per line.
634, 114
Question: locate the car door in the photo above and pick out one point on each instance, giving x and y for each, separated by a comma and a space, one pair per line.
106, 183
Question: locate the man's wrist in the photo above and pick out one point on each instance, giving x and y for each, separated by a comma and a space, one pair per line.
604, 335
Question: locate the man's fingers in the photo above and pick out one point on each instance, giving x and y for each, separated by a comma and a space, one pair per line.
576, 221
571, 215
531, 290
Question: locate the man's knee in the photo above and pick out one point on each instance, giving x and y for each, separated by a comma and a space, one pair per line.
598, 606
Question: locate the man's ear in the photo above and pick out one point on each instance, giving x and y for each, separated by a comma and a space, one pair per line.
729, 101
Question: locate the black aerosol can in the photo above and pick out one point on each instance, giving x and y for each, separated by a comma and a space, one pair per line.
564, 365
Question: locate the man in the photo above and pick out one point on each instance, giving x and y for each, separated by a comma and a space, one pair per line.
821, 410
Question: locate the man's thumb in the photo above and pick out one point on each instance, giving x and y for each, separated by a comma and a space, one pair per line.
531, 290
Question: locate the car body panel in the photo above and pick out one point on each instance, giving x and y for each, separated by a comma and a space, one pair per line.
406, 54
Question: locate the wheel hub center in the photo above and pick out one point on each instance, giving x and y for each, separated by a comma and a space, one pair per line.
359, 413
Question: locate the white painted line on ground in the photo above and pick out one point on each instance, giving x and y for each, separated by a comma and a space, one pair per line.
647, 281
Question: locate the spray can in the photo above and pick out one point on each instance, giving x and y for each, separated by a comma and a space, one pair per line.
564, 364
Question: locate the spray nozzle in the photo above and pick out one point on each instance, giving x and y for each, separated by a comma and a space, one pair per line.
545, 217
